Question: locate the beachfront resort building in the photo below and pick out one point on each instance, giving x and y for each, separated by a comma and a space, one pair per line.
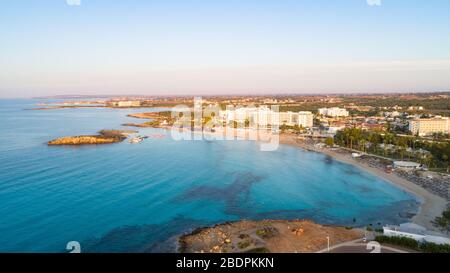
264, 116
415, 232
333, 112
428, 126
407, 165
305, 119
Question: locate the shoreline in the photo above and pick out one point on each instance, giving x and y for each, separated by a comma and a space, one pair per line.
431, 205
205, 238
103, 137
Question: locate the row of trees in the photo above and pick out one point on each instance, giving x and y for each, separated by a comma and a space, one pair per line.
432, 153
425, 247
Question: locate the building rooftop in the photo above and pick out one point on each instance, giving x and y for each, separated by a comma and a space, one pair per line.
406, 164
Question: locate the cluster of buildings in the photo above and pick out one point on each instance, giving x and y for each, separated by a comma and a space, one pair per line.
264, 116
416, 108
336, 118
124, 103
333, 118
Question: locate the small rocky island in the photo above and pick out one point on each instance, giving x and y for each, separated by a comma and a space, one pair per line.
276, 236
104, 137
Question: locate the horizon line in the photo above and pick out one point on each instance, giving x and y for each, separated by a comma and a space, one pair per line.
284, 94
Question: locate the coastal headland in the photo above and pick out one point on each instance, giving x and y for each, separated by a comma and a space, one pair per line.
266, 236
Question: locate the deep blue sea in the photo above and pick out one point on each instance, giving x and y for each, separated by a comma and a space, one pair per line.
138, 197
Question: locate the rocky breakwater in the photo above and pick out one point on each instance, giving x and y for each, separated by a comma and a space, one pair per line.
104, 137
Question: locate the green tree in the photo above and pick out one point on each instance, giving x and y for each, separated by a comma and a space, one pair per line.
329, 141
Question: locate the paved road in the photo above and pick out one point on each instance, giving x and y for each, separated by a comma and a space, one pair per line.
358, 246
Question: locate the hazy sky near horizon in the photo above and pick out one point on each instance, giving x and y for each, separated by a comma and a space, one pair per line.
48, 47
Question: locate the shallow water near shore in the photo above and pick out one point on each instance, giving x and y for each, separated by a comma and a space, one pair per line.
137, 198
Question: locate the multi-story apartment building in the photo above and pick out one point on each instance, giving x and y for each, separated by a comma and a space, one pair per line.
428, 126
264, 116
305, 119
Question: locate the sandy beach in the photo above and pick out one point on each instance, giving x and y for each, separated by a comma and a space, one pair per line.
431, 207
431, 204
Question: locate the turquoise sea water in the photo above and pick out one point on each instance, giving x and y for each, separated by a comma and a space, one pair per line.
134, 198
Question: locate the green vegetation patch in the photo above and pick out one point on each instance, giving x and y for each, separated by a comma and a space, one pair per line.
267, 232
409, 243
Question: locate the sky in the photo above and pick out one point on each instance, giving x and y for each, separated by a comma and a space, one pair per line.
195, 47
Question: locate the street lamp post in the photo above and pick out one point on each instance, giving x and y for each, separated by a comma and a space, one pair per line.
328, 243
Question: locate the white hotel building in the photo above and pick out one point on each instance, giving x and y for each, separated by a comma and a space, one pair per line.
264, 116
333, 112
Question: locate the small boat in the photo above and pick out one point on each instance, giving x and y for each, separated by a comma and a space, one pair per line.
136, 140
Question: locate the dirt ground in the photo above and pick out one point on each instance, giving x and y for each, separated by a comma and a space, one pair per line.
272, 236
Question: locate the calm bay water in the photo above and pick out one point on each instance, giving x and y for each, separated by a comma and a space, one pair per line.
132, 198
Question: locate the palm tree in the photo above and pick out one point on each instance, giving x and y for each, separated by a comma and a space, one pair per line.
401, 144
385, 142
363, 145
